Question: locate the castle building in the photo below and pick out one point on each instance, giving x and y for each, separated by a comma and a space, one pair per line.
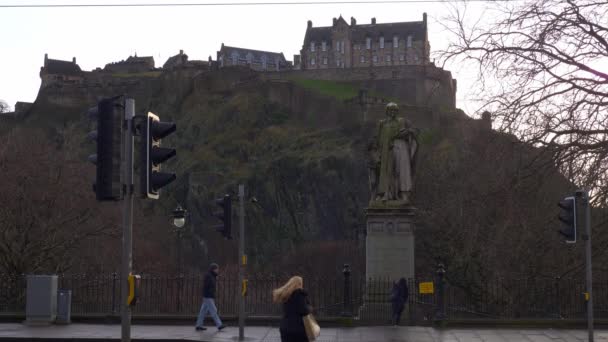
133, 64
255, 59
54, 71
353, 45
176, 61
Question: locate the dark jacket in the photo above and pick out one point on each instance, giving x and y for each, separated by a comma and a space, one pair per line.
209, 285
294, 309
399, 295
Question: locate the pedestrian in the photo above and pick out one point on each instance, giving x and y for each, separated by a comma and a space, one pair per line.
399, 298
208, 306
295, 306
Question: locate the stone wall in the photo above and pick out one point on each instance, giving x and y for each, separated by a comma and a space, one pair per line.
420, 85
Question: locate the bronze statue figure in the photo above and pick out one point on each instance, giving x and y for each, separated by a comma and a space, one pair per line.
393, 158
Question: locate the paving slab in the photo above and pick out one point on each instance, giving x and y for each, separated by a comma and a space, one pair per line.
12, 332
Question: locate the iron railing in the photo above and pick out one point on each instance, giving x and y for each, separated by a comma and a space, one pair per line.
365, 300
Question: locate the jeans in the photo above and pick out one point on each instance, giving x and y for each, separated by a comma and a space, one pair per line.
208, 306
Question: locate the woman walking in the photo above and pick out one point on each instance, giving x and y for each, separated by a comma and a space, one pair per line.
295, 306
398, 299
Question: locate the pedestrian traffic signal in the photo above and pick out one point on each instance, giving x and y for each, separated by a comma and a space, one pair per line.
109, 116
568, 218
134, 284
225, 216
152, 155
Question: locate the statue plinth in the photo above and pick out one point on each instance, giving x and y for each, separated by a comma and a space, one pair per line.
389, 244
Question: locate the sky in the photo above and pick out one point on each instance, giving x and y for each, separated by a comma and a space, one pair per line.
99, 35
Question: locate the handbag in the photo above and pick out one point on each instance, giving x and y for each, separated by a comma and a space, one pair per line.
313, 330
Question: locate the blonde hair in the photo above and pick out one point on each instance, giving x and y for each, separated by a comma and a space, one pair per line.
282, 294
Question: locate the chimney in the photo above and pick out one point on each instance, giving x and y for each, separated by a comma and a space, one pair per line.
309, 24
74, 60
424, 18
46, 59
181, 52
335, 21
353, 21
373, 21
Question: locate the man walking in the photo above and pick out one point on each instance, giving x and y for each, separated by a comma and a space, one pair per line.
209, 290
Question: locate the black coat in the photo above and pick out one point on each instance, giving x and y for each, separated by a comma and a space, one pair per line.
399, 296
209, 285
296, 307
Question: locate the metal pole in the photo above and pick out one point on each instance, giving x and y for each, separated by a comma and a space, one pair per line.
588, 264
242, 260
127, 244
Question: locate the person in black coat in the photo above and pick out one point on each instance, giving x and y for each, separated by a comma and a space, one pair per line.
399, 298
208, 306
295, 306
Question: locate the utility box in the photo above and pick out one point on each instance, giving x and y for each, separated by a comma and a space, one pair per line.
64, 307
41, 299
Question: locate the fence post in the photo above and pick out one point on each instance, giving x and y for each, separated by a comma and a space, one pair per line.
114, 278
440, 314
347, 308
558, 312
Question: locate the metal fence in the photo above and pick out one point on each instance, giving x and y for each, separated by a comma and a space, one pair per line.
366, 300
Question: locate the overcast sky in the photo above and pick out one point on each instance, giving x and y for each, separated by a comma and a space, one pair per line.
96, 36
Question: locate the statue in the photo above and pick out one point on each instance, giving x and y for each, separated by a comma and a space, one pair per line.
393, 158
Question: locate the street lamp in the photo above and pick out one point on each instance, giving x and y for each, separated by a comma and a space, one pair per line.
179, 220
179, 217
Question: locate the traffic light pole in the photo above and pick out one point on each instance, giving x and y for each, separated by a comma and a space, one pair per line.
587, 237
242, 261
127, 242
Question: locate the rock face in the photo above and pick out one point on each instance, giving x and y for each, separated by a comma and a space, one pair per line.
300, 151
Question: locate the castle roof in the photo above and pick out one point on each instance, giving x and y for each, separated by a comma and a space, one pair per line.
146, 60
360, 32
55, 66
256, 54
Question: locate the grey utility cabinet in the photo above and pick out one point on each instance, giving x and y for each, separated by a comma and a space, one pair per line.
41, 299
64, 307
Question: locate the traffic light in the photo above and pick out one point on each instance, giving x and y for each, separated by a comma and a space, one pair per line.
568, 217
225, 216
134, 284
152, 155
109, 115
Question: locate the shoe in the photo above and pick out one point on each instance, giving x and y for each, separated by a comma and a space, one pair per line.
221, 327
200, 328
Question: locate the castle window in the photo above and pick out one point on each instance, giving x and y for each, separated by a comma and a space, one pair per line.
409, 41
368, 43
338, 62
312, 61
234, 56
312, 46
388, 58
382, 42
395, 42
362, 59
323, 46
342, 46
402, 58
324, 60
375, 58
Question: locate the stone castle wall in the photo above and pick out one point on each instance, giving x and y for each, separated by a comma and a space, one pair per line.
419, 85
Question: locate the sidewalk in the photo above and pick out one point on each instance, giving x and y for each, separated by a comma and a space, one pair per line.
99, 332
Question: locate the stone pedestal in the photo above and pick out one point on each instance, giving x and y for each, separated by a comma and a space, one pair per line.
389, 245
389, 256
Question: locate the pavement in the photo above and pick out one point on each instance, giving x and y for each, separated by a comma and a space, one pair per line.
99, 332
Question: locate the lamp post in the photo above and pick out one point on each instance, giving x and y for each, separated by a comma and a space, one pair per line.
179, 220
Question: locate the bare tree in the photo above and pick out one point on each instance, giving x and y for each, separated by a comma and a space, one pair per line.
542, 72
46, 215
4, 107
